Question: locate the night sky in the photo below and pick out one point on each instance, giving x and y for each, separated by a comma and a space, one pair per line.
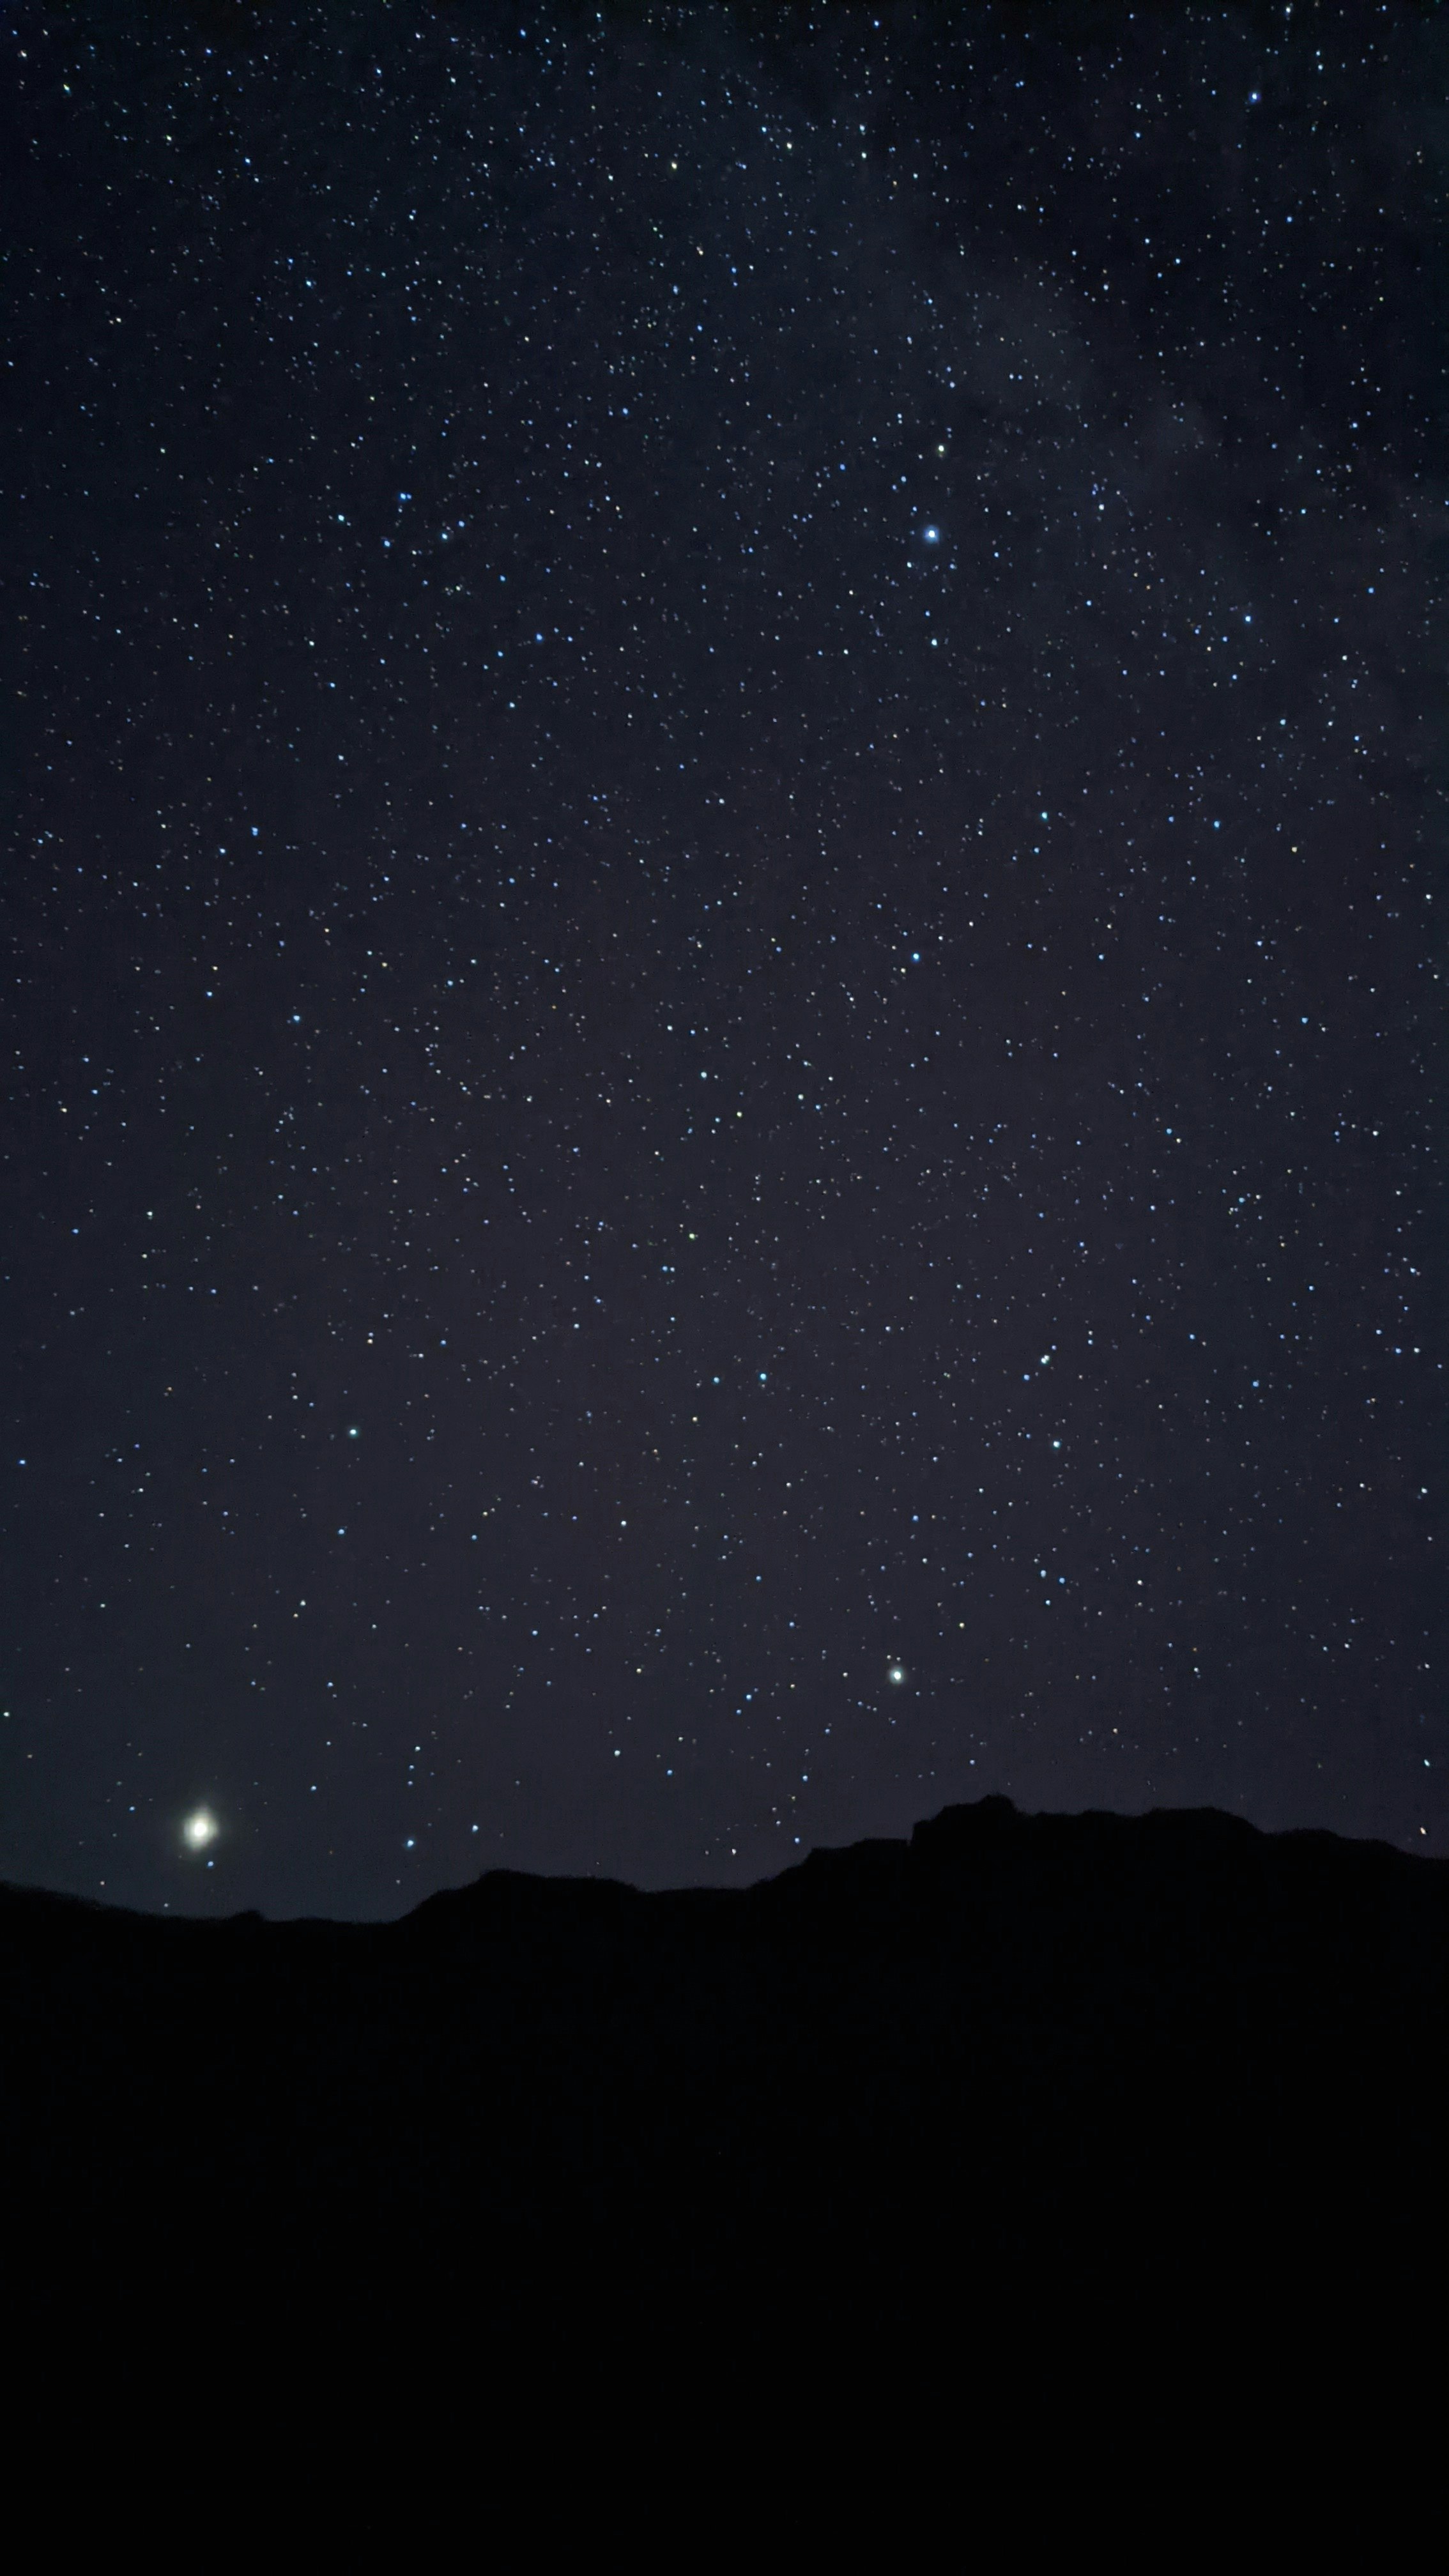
722, 798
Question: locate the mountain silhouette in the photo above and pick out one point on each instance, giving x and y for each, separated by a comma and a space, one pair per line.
1127, 2134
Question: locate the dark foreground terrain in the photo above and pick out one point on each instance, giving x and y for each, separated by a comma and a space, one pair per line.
1115, 2148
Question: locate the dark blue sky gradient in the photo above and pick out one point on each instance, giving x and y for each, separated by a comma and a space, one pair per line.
727, 780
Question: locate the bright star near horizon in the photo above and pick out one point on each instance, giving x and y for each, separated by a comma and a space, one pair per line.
200, 1829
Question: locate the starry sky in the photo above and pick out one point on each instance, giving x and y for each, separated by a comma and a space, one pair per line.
724, 760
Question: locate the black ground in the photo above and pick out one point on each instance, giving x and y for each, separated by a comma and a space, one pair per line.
1117, 2141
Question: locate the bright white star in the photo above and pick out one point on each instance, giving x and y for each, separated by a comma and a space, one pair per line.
200, 1829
